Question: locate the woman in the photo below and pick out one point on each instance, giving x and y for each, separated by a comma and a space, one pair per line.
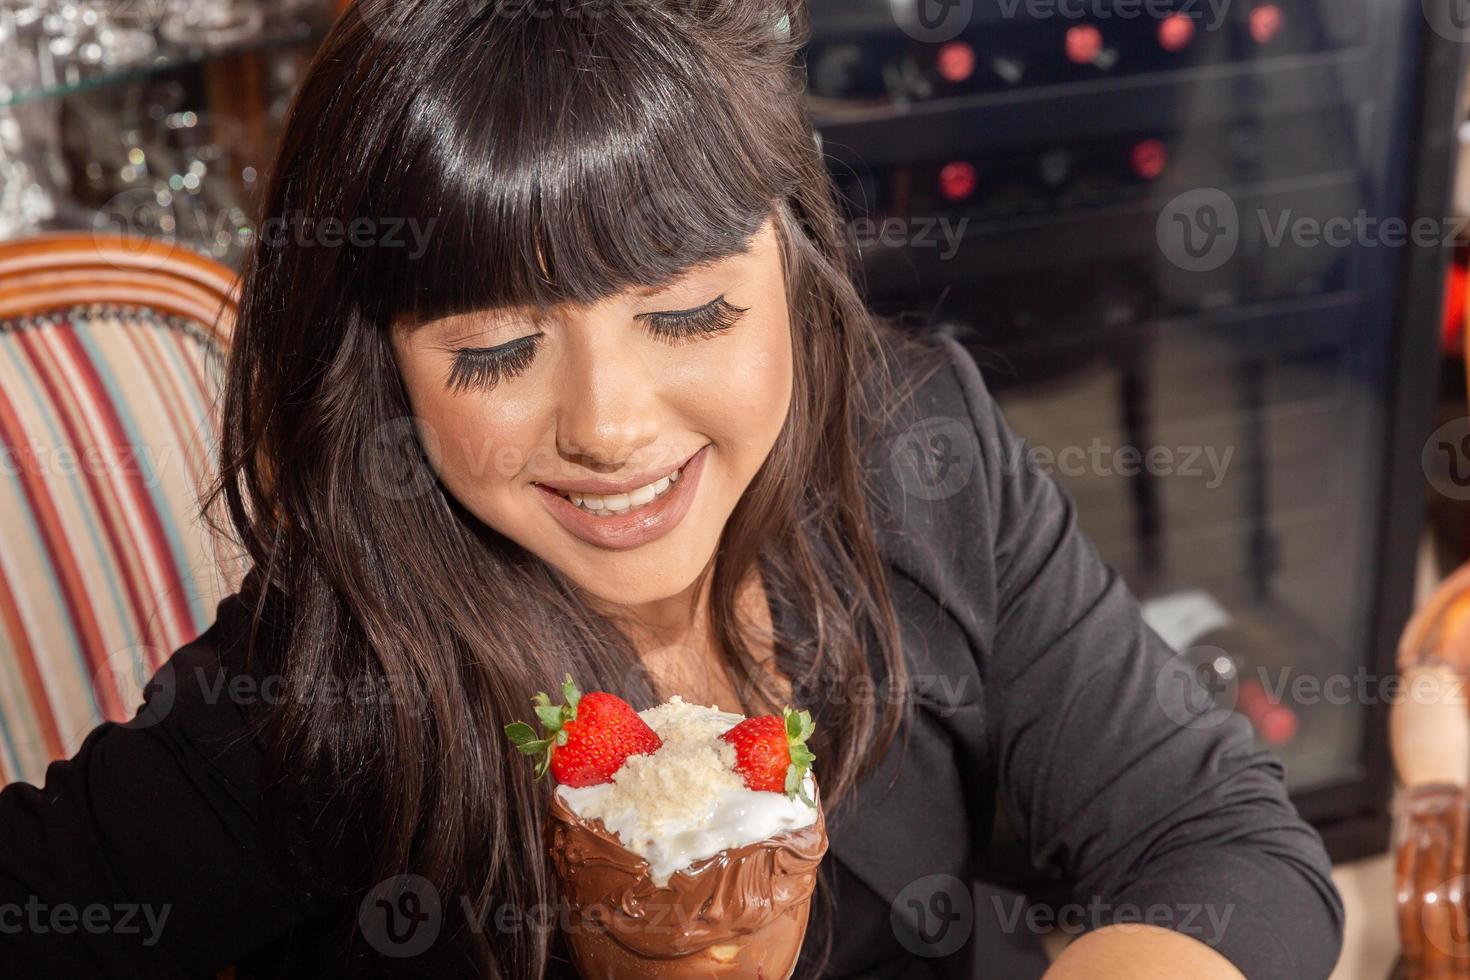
623, 260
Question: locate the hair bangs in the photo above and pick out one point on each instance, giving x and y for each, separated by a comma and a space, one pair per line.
553, 161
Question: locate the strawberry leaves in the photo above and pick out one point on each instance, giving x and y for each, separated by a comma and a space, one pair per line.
553, 718
585, 740
799, 728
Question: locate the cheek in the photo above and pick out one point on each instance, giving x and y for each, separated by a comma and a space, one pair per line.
743, 387
476, 444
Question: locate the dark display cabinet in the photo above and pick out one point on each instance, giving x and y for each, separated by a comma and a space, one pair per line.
1197, 249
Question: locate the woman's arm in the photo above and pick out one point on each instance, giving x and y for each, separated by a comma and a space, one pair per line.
140, 855
1110, 773
1140, 952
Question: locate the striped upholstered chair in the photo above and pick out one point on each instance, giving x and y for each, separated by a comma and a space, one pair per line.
111, 358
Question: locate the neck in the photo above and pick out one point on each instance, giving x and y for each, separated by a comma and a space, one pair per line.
679, 620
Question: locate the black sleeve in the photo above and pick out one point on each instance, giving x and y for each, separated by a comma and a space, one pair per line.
140, 856
1111, 771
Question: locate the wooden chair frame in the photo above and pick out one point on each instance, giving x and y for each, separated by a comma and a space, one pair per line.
1429, 733
56, 271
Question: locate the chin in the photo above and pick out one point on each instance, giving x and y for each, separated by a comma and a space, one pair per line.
632, 596
632, 579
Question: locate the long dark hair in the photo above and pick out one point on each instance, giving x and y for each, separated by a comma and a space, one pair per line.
553, 154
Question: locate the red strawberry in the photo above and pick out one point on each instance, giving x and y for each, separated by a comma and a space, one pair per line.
771, 752
587, 739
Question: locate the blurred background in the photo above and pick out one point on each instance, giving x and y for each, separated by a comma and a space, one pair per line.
1209, 253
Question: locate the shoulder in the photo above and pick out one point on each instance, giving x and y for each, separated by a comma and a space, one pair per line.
934, 462
920, 374
936, 442
927, 397
200, 702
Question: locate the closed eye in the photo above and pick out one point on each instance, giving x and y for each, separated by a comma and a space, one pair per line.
485, 367
713, 317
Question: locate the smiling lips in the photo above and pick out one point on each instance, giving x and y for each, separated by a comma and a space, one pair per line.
620, 503
625, 514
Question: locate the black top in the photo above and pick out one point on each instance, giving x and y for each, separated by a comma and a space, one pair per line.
1036, 684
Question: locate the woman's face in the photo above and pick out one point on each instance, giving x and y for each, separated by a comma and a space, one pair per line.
676, 393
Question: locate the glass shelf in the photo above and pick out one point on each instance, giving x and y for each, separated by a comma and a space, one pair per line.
69, 77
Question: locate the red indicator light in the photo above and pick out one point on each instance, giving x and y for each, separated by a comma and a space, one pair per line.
1149, 158
957, 180
956, 61
1084, 44
1275, 722
1266, 22
1175, 32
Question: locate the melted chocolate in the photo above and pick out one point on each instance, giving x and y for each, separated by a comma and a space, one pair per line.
741, 913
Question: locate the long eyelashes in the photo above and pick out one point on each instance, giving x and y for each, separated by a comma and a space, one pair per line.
713, 317
485, 367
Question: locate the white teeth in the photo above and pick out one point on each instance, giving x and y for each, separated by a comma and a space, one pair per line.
620, 503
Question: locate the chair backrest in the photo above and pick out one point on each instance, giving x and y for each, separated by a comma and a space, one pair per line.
111, 363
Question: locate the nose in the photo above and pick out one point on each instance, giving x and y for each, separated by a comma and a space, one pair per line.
609, 404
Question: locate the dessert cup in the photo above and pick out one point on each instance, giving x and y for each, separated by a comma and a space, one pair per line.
741, 913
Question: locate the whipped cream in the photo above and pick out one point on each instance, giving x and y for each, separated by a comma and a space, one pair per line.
686, 802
